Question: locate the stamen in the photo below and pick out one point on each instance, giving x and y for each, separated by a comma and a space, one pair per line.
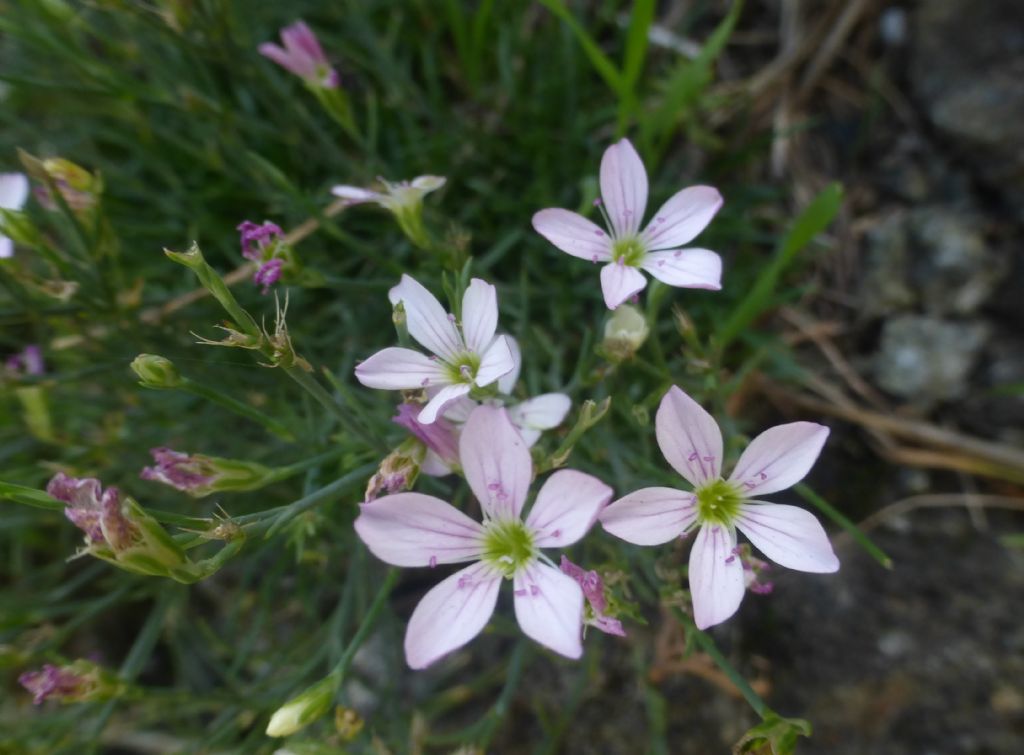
433, 562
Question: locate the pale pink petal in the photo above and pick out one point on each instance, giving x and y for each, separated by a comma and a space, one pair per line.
540, 412
507, 382
573, 234
460, 409
681, 218
716, 576
495, 362
623, 188
13, 191
434, 466
685, 268
451, 614
650, 516
496, 462
6, 248
426, 319
300, 37
689, 437
283, 58
479, 315
619, 282
566, 507
395, 368
779, 457
437, 403
411, 529
789, 536
549, 609
356, 195
428, 183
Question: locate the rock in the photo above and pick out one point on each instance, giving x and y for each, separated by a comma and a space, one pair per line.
967, 69
927, 360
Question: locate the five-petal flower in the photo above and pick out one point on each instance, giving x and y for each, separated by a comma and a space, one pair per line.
625, 249
411, 529
465, 355
775, 460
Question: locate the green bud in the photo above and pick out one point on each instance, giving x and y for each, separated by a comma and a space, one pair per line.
157, 372
194, 260
624, 333
303, 709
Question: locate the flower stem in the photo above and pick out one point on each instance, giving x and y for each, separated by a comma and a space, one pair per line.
708, 646
338, 672
238, 407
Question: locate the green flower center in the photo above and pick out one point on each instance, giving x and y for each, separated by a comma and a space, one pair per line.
629, 251
463, 369
718, 502
508, 546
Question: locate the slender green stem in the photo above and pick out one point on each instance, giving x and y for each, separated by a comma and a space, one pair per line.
708, 646
283, 473
236, 406
338, 672
318, 392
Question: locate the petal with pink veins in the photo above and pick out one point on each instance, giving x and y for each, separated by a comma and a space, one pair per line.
573, 234
716, 576
451, 614
685, 268
549, 609
479, 315
789, 536
495, 362
496, 462
439, 400
623, 188
681, 219
689, 437
395, 368
566, 507
650, 516
412, 529
779, 457
619, 282
426, 319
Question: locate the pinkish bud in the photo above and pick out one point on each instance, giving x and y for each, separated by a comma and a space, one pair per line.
595, 613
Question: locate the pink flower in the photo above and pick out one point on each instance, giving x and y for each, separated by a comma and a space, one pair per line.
597, 602
56, 682
626, 249
262, 243
411, 529
98, 513
28, 362
775, 460
466, 354
303, 56
13, 193
397, 195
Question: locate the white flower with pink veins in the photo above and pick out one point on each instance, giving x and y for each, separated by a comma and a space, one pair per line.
412, 529
776, 459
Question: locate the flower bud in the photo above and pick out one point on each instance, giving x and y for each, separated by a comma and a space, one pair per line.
76, 682
599, 611
398, 471
200, 475
157, 372
624, 333
78, 188
302, 710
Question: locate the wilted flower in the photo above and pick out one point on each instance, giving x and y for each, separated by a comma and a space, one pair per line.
117, 529
398, 471
263, 243
72, 683
592, 585
467, 354
13, 193
776, 459
28, 362
627, 250
200, 475
403, 199
303, 56
411, 529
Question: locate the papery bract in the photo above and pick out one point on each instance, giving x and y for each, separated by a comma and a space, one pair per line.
411, 529
625, 250
775, 460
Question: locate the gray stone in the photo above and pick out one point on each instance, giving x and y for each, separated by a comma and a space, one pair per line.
927, 360
967, 70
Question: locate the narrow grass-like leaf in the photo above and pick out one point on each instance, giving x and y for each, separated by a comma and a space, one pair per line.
854, 531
